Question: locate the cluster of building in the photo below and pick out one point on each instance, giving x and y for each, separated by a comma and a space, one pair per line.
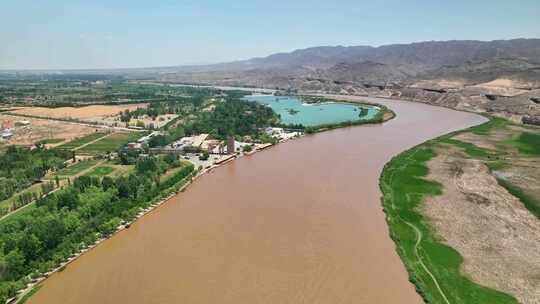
222, 150
281, 134
146, 139
197, 143
186, 143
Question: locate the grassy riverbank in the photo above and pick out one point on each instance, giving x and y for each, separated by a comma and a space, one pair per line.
434, 268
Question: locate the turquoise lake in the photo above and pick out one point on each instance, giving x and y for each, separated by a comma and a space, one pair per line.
312, 114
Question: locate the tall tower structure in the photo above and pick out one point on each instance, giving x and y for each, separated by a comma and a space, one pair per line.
230, 145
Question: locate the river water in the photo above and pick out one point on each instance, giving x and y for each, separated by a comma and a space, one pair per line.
298, 223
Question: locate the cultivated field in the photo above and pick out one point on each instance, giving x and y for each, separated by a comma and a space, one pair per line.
95, 113
76, 168
55, 132
110, 143
84, 140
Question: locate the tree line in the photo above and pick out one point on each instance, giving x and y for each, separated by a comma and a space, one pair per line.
20, 167
38, 240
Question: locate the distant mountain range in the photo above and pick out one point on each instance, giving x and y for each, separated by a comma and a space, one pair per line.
468, 62
501, 76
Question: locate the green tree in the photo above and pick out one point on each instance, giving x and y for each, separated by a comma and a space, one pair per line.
15, 264
205, 155
57, 180
109, 226
30, 246
158, 141
68, 198
107, 182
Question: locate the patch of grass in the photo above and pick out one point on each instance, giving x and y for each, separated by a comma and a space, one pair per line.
530, 202
496, 165
471, 149
29, 294
110, 143
404, 189
51, 141
81, 141
120, 170
527, 143
486, 128
100, 171
76, 168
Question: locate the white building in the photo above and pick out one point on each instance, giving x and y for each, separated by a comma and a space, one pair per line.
7, 134
182, 143
146, 139
190, 141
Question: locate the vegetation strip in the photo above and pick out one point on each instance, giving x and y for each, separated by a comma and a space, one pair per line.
433, 267
67, 222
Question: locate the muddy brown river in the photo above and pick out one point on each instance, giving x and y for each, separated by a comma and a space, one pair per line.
301, 222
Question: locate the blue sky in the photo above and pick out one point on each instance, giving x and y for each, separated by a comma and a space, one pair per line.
57, 34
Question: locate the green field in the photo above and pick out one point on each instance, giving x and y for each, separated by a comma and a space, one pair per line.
100, 171
76, 168
470, 149
81, 141
493, 123
52, 141
110, 143
433, 267
527, 143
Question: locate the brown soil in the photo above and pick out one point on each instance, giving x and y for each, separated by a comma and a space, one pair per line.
487, 142
84, 113
40, 129
496, 235
159, 122
524, 173
388, 116
501, 86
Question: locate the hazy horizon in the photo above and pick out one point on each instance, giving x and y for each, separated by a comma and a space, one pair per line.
61, 35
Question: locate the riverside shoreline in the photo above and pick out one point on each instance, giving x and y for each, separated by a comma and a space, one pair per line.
385, 115
232, 228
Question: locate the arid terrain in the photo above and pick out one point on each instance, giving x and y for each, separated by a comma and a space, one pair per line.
489, 227
479, 213
86, 113
44, 129
148, 121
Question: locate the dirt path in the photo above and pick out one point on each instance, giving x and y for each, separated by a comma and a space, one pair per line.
419, 237
93, 141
